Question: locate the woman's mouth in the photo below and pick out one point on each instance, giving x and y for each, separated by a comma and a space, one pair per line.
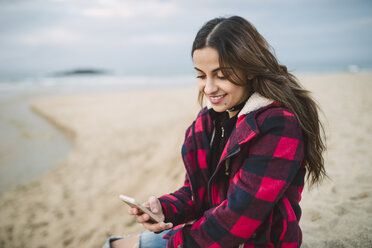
216, 99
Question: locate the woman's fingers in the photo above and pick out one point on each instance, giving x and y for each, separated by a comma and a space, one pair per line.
133, 211
153, 204
143, 218
161, 226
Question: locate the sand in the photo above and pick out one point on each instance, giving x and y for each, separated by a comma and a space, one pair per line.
129, 143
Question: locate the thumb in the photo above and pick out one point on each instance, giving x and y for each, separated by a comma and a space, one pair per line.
154, 204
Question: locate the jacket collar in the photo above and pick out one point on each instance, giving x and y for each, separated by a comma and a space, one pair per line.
254, 102
246, 126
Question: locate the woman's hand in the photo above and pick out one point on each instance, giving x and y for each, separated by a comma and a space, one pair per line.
154, 205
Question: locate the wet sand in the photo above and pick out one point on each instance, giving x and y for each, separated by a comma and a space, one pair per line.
29, 146
129, 143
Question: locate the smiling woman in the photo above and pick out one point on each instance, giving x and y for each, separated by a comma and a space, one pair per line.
221, 93
245, 155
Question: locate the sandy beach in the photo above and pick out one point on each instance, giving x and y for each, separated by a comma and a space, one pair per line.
130, 142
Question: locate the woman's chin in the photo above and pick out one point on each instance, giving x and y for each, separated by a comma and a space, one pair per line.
219, 108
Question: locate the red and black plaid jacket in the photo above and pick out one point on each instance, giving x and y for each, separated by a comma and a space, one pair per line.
252, 198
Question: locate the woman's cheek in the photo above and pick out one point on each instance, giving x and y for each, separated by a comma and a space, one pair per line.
201, 86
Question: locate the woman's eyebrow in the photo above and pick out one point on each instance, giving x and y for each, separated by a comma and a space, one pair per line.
214, 70
196, 68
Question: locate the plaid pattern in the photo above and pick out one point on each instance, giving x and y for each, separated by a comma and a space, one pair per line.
253, 196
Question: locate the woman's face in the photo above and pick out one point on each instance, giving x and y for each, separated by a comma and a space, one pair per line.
221, 93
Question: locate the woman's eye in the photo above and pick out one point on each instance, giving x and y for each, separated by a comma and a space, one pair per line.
221, 77
200, 76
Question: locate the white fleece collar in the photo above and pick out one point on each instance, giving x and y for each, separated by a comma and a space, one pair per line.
254, 102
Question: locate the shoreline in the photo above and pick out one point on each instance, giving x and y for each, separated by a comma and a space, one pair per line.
31, 145
126, 139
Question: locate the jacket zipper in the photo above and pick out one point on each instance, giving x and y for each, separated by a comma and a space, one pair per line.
215, 172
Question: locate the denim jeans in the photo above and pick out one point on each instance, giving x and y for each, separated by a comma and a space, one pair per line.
147, 240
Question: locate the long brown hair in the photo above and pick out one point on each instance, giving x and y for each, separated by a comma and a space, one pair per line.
241, 48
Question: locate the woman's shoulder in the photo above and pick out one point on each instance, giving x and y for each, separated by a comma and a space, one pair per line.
280, 119
204, 111
274, 110
203, 115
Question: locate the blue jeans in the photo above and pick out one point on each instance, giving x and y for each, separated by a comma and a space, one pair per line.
147, 239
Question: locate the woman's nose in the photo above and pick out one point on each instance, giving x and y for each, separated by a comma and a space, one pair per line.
210, 86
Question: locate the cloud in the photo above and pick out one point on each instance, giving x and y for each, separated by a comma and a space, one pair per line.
107, 12
158, 39
47, 36
131, 9
125, 33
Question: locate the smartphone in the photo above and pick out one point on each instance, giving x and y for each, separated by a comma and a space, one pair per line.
142, 209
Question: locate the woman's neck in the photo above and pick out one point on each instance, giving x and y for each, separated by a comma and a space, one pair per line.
235, 110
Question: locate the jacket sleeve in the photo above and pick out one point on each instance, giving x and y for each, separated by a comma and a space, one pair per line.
274, 158
179, 207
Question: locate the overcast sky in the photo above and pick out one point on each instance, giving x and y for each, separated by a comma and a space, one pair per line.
154, 37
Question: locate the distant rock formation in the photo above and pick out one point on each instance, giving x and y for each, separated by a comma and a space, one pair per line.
82, 72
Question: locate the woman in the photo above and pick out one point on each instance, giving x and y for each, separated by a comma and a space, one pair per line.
246, 153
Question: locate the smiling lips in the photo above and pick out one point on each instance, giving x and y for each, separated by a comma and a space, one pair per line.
216, 99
